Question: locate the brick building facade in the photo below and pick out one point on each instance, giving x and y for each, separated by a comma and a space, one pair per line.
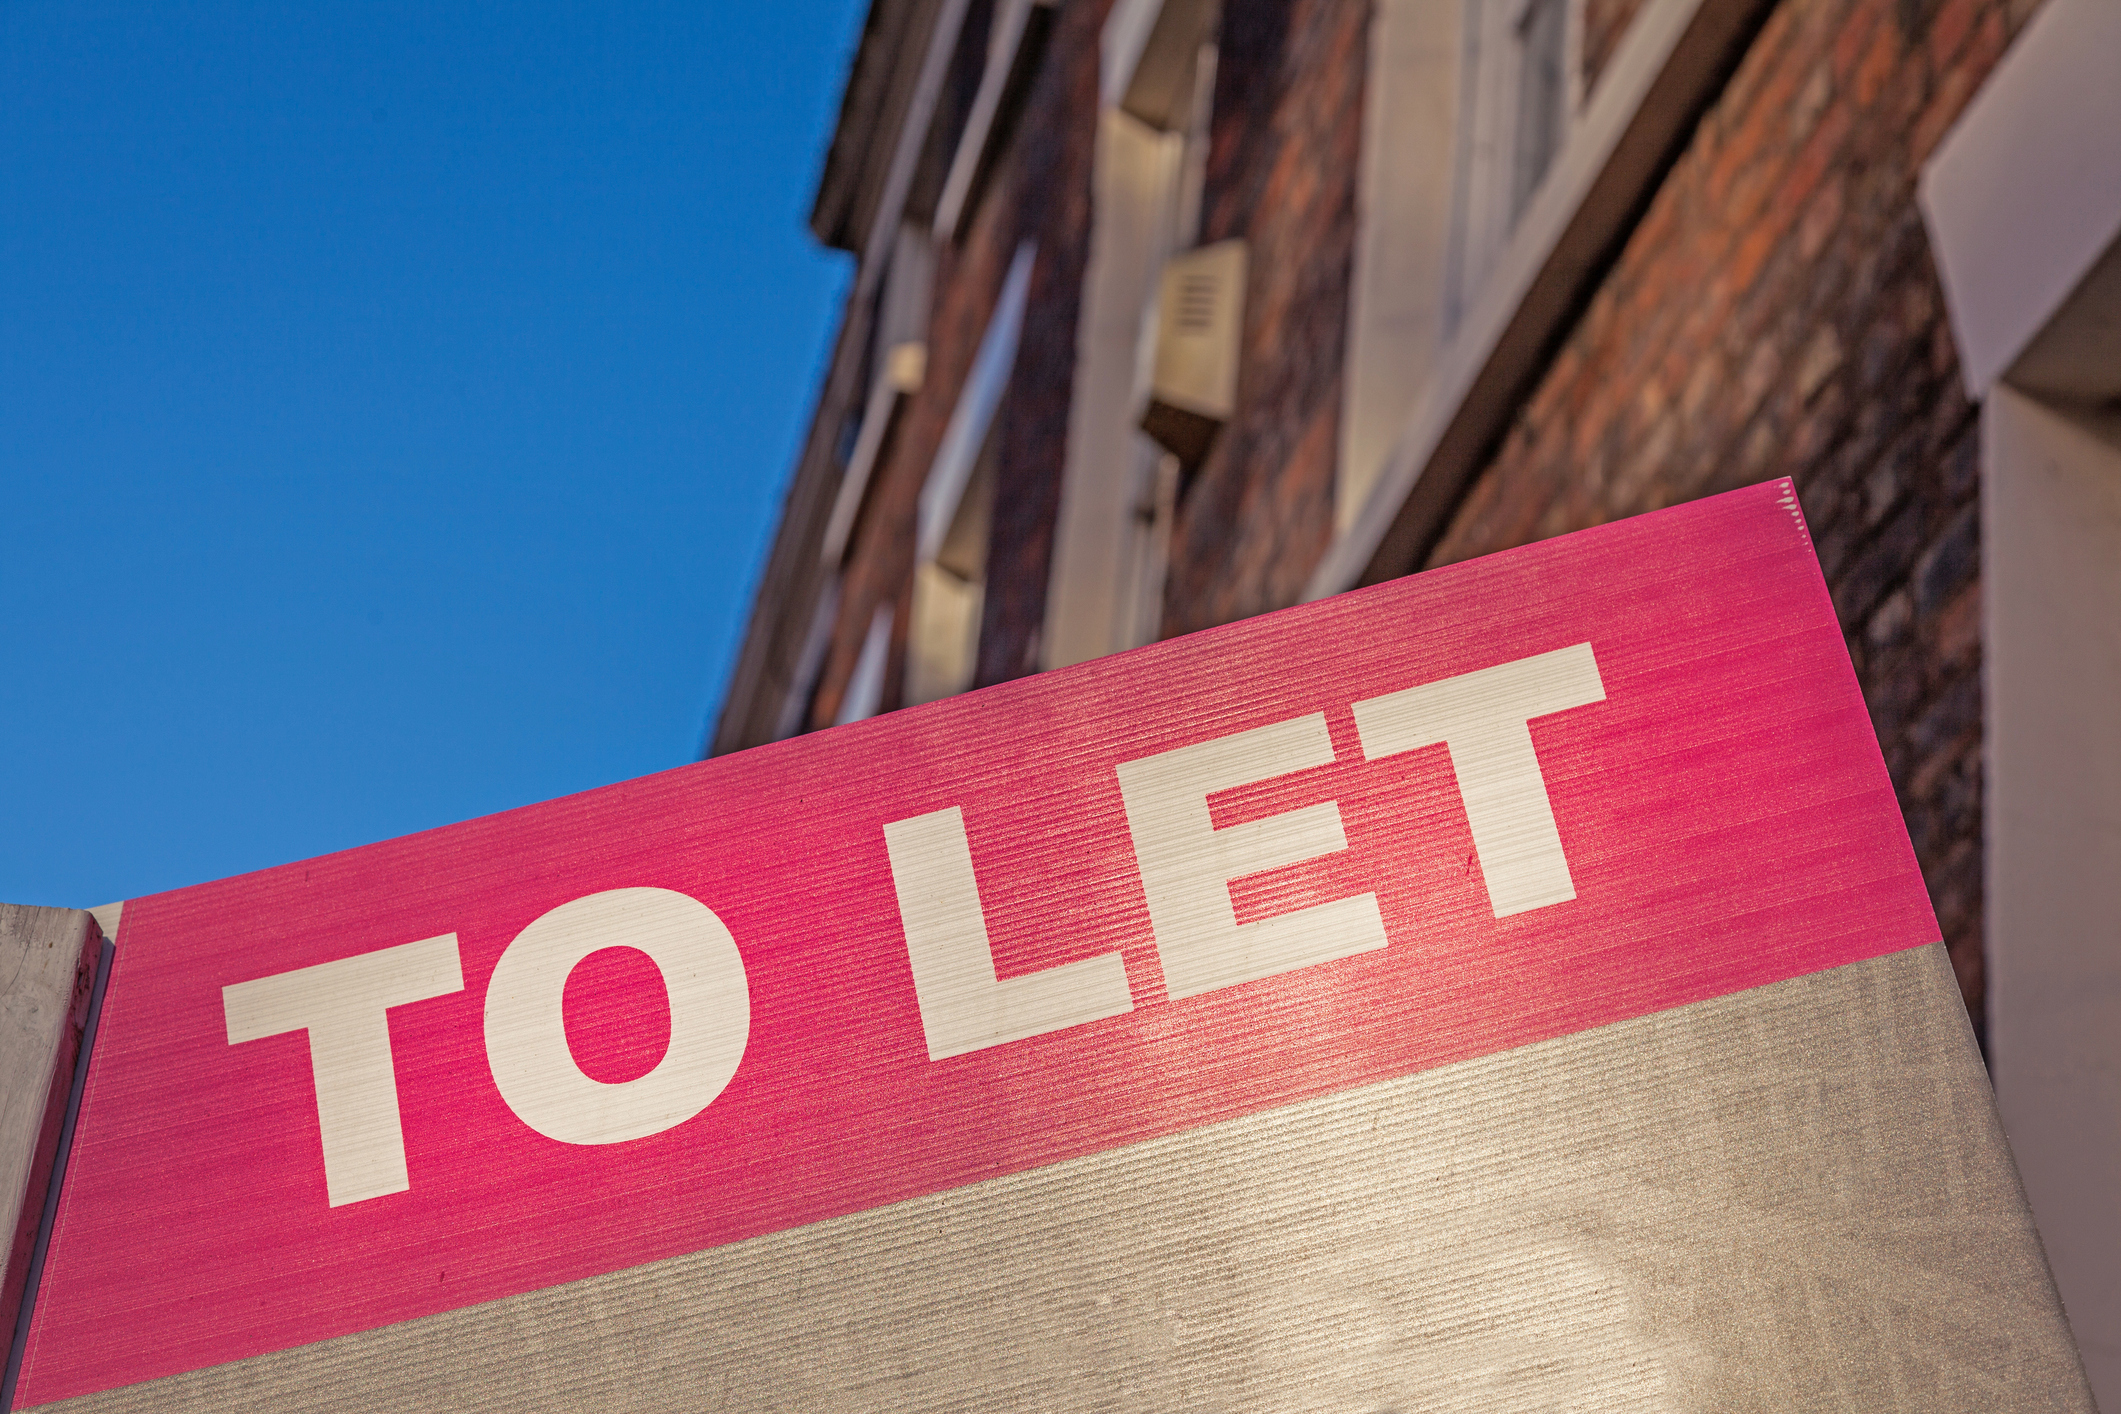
1776, 313
1509, 268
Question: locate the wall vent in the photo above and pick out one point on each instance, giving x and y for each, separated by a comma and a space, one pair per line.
1200, 314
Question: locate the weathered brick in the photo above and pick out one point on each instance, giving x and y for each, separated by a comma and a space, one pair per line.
1953, 22
1821, 356
1877, 65
1955, 712
1949, 563
1951, 95
1880, 564
1890, 621
1885, 485
1892, 685
1957, 631
1820, 219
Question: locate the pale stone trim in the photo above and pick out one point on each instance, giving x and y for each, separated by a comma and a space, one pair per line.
2023, 197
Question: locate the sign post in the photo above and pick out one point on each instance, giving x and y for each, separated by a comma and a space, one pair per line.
1507, 987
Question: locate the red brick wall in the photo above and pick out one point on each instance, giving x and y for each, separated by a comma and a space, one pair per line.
1282, 169
1777, 314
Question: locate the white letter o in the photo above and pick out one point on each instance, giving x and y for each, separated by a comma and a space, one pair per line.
526, 1034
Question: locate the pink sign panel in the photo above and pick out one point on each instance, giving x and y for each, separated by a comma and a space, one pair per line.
1466, 811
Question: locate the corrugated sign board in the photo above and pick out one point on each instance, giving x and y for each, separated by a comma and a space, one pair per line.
1507, 987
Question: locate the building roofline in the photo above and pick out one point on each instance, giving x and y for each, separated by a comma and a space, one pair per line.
885, 114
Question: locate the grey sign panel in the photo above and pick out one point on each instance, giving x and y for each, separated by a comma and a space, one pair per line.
1792, 1197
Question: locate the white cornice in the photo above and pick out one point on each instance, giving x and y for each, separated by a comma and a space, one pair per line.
2023, 196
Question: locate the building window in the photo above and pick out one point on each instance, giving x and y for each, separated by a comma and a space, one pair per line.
1518, 99
1016, 44
949, 592
896, 363
1542, 97
956, 509
864, 696
1119, 488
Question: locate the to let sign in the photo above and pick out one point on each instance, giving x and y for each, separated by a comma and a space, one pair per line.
1453, 815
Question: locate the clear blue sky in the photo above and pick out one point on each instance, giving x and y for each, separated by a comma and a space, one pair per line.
394, 402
